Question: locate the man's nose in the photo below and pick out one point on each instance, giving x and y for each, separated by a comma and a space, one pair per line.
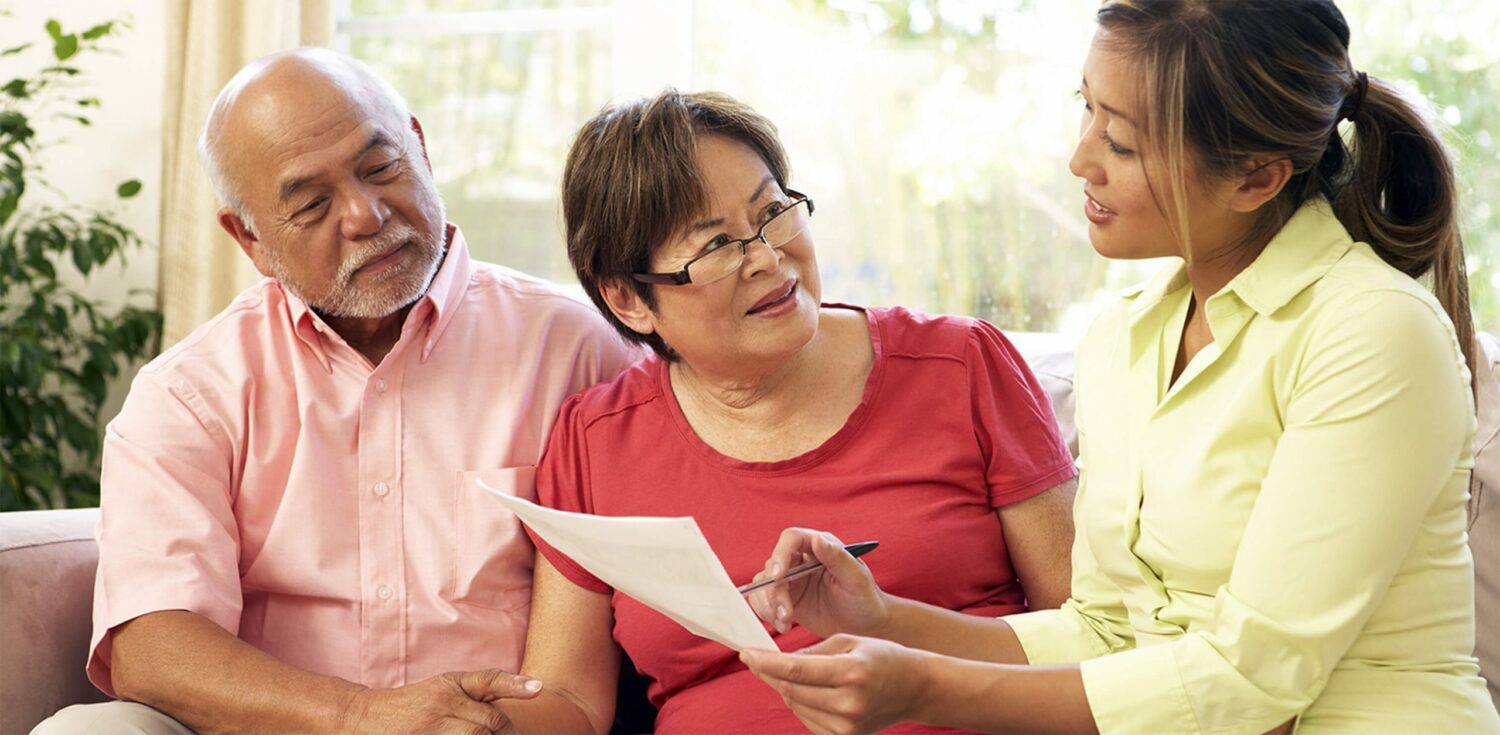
365, 214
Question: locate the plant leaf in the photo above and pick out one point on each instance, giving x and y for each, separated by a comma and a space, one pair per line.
98, 31
83, 257
129, 189
65, 47
16, 88
13, 50
54, 29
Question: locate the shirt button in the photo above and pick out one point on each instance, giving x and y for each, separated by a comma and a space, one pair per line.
381, 489
380, 385
384, 592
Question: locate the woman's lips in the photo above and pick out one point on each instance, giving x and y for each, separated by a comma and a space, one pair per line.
1096, 212
772, 302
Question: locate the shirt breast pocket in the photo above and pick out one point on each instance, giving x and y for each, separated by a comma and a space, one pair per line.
492, 555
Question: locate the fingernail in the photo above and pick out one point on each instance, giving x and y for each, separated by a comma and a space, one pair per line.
775, 568
532, 685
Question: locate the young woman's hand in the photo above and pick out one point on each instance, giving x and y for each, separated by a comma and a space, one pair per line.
845, 685
841, 597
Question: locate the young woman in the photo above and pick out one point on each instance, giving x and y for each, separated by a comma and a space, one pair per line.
1275, 434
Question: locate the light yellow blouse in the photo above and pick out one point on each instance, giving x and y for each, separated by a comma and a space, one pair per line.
1281, 532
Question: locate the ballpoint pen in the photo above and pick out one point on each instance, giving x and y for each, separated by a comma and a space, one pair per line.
855, 550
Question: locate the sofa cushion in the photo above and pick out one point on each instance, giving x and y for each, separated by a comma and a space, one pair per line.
47, 561
1050, 357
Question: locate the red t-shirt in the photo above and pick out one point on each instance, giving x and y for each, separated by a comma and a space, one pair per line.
952, 425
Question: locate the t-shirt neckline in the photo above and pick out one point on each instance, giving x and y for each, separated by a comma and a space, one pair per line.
811, 457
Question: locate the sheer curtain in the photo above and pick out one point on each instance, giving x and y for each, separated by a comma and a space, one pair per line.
201, 267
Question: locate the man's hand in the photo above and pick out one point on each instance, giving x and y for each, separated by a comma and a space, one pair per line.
458, 703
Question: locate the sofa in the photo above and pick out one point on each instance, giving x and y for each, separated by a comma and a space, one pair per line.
47, 560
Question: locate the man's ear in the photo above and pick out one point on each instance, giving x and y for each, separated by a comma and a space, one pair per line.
1262, 183
246, 239
627, 306
416, 126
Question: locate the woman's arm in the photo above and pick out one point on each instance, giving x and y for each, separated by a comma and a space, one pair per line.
570, 648
859, 685
1039, 537
851, 685
843, 598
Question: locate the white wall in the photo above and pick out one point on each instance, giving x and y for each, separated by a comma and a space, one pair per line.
125, 140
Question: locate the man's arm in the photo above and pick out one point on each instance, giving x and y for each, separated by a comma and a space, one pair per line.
186, 666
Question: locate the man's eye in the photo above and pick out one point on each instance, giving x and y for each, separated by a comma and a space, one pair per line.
383, 168
311, 206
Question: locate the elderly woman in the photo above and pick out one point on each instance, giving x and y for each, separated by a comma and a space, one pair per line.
763, 407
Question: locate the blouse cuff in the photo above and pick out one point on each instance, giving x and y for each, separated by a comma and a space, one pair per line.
1139, 690
1056, 637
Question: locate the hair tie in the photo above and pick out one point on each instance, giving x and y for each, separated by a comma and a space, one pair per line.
1361, 86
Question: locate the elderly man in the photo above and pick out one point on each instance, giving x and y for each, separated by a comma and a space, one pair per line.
295, 533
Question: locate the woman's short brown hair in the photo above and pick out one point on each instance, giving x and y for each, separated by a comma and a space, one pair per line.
632, 182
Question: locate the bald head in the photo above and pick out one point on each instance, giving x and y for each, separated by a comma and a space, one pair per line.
289, 93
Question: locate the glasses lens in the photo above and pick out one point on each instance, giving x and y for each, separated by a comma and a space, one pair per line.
787, 224
717, 264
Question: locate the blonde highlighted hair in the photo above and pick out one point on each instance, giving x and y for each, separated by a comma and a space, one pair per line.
1230, 82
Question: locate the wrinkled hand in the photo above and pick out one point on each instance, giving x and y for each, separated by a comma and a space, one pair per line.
841, 597
460, 703
844, 685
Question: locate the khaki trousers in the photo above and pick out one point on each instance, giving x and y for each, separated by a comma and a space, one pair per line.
110, 718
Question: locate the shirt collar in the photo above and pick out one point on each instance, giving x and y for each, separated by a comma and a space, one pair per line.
435, 308
1302, 252
447, 289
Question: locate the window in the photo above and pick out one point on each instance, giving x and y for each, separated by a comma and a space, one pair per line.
934, 134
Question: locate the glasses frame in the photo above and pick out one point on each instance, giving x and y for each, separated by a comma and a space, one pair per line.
681, 277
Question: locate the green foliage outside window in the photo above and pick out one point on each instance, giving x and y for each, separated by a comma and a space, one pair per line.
58, 349
934, 135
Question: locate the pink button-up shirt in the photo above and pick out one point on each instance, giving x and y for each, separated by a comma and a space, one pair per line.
264, 475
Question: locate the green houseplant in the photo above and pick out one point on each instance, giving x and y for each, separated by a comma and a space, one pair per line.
58, 348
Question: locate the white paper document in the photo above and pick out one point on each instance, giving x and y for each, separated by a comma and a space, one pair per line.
664, 563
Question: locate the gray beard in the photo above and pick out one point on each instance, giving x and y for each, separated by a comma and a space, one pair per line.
342, 299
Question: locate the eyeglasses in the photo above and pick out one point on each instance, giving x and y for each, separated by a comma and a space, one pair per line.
727, 258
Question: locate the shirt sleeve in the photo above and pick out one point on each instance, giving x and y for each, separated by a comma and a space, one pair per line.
563, 482
1023, 450
1093, 621
1375, 426
603, 353
167, 533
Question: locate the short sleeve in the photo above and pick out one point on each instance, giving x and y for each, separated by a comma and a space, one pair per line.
1024, 452
563, 482
167, 535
